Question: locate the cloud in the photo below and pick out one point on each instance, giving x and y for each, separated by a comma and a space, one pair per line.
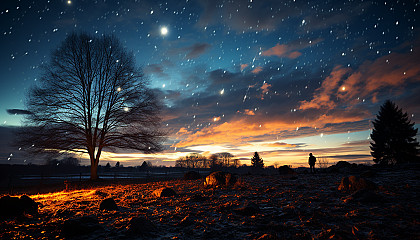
249, 112
324, 95
257, 70
264, 89
289, 50
380, 78
196, 50
241, 130
243, 66
156, 69
281, 144
18, 112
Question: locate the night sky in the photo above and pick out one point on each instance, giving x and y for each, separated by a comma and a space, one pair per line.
283, 78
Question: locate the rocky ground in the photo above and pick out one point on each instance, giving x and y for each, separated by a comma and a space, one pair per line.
299, 206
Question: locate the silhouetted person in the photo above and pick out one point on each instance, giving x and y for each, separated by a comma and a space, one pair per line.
312, 161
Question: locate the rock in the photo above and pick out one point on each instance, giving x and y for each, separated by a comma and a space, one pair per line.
286, 170
268, 237
249, 208
341, 167
364, 196
108, 204
353, 183
14, 206
192, 175
28, 205
80, 226
164, 192
142, 226
219, 179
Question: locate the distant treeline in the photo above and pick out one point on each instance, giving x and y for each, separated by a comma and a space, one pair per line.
195, 160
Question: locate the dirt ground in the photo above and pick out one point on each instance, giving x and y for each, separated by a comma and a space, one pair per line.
302, 206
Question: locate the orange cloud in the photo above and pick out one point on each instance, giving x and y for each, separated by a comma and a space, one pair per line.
257, 70
216, 119
243, 66
241, 131
344, 85
264, 88
281, 50
249, 112
280, 144
289, 50
322, 95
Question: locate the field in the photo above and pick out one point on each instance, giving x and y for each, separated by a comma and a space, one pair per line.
299, 206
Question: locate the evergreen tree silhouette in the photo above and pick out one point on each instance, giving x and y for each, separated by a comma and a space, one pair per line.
393, 136
257, 161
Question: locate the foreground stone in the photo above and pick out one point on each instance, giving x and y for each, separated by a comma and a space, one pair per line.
14, 206
108, 204
353, 184
164, 192
219, 179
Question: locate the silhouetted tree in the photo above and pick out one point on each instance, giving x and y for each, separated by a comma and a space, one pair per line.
117, 164
257, 161
225, 158
213, 160
393, 136
144, 165
108, 166
193, 160
91, 98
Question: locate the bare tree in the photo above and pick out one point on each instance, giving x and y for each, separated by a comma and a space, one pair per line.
225, 158
92, 98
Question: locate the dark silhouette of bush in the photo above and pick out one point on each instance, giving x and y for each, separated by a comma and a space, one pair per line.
393, 136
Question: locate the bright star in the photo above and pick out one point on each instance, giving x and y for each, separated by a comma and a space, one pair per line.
163, 31
68, 2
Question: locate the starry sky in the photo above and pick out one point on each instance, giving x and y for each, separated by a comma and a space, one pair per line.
283, 78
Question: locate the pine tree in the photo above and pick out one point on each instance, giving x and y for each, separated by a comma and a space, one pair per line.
393, 136
256, 161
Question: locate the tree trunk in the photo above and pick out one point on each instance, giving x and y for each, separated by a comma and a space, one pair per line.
94, 171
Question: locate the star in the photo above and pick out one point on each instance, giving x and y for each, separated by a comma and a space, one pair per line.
69, 2
163, 31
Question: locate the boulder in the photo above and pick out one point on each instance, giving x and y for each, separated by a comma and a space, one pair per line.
28, 205
340, 167
286, 170
80, 226
192, 175
108, 204
14, 206
164, 192
141, 226
353, 184
219, 179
